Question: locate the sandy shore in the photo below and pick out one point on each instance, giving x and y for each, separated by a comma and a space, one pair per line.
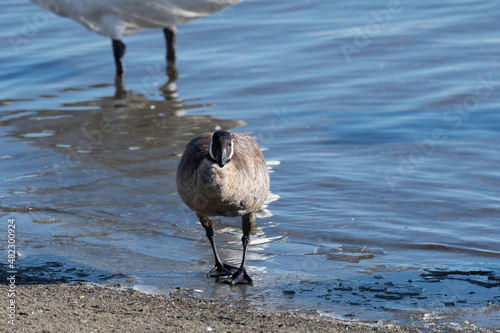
82, 307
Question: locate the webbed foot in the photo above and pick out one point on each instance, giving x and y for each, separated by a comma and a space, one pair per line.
221, 269
239, 277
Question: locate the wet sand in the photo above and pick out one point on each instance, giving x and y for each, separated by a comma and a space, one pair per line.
84, 307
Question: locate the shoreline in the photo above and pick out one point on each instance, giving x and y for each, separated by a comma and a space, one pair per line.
81, 306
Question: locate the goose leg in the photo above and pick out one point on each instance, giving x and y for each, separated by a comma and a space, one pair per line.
241, 276
170, 38
118, 52
220, 268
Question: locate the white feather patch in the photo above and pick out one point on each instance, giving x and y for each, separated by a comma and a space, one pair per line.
232, 150
210, 148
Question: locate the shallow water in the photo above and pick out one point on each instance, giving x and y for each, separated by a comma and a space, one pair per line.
382, 139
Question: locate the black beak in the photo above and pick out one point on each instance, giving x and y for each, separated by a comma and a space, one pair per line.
222, 158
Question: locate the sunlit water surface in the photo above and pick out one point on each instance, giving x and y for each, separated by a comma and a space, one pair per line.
380, 127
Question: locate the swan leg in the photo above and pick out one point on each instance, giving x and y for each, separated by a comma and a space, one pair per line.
118, 52
171, 41
241, 276
220, 269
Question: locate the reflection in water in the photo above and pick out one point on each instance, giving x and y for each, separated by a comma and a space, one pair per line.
122, 132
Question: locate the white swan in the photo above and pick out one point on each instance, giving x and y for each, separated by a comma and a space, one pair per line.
118, 18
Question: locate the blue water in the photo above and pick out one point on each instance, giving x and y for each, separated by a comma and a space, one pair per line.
379, 123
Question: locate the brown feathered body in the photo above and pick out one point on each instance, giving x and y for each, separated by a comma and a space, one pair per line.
237, 189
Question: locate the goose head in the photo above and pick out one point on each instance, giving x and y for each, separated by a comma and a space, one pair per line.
221, 147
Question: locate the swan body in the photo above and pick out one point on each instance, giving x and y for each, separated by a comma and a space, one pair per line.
118, 18
224, 174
